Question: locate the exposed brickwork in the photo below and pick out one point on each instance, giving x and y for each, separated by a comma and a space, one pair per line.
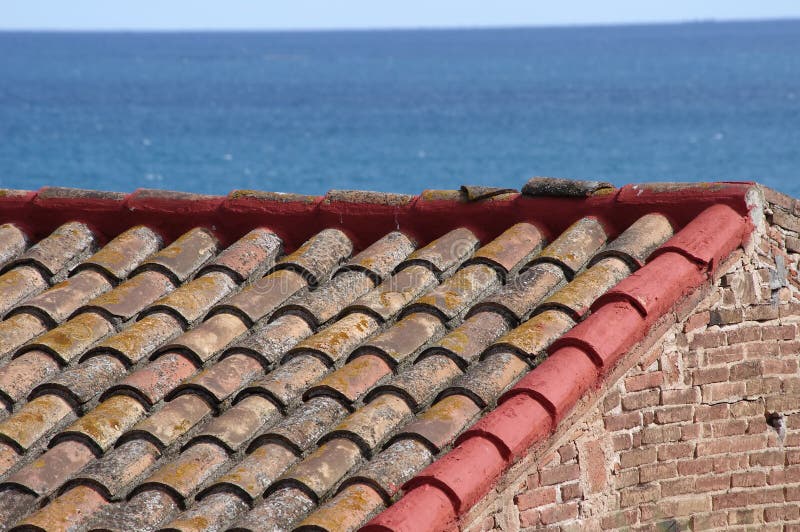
697, 430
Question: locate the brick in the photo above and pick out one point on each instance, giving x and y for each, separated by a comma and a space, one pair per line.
637, 457
743, 516
644, 381
708, 338
712, 483
743, 334
786, 220
529, 518
559, 512
784, 475
772, 366
680, 486
710, 412
745, 370
593, 460
623, 421
763, 312
690, 432
696, 321
627, 477
637, 495
728, 427
725, 355
726, 316
785, 512
723, 391
708, 375
661, 434
567, 452
535, 497
711, 447
673, 414
672, 451
559, 474
619, 520
781, 403
685, 506
747, 408
571, 491
709, 521
611, 401
680, 397
748, 479
768, 458
746, 498
696, 466
723, 464
793, 493
658, 471
621, 441
639, 400
763, 349
763, 386
779, 332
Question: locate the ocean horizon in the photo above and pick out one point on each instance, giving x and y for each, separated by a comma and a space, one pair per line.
401, 110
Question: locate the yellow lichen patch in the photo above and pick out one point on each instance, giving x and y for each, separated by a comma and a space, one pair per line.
109, 420
35, 419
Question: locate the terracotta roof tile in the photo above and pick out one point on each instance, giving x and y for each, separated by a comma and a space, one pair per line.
194, 387
12, 243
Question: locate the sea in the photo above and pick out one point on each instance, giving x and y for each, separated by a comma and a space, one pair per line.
401, 110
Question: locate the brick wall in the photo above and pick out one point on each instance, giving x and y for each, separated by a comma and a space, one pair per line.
698, 428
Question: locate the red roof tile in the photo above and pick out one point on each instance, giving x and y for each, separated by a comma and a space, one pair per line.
251, 374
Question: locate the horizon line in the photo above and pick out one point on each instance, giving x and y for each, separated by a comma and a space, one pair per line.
676, 22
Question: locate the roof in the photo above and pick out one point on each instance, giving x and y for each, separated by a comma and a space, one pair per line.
273, 361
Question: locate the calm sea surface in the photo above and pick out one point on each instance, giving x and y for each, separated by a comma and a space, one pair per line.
401, 110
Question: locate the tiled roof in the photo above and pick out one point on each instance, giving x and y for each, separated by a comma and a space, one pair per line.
269, 362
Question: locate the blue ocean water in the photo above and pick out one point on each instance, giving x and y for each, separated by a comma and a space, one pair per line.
401, 110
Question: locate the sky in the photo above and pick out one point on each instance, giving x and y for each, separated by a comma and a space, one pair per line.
362, 14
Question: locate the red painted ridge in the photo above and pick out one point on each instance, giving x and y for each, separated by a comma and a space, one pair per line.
617, 323
297, 218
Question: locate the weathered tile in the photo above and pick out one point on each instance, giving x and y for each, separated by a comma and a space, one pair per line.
391, 296
277, 512
441, 423
35, 419
86, 381
257, 471
465, 343
455, 295
18, 284
107, 421
15, 503
186, 255
264, 296
71, 339
306, 424
372, 424
395, 465
209, 338
535, 335
131, 297
511, 250
153, 381
320, 305
188, 470
18, 329
286, 384
637, 242
68, 512
224, 378
382, 256
13, 242
403, 339
249, 257
45, 474
140, 339
23, 373
240, 423
271, 341
522, 294
324, 468
557, 187
575, 246
123, 254
211, 514
488, 379
576, 297
119, 468
421, 381
174, 420
446, 252
345, 512
191, 301
58, 302
317, 258
337, 340
352, 380
58, 253
144, 511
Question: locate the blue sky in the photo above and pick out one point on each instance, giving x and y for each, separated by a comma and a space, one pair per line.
332, 14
